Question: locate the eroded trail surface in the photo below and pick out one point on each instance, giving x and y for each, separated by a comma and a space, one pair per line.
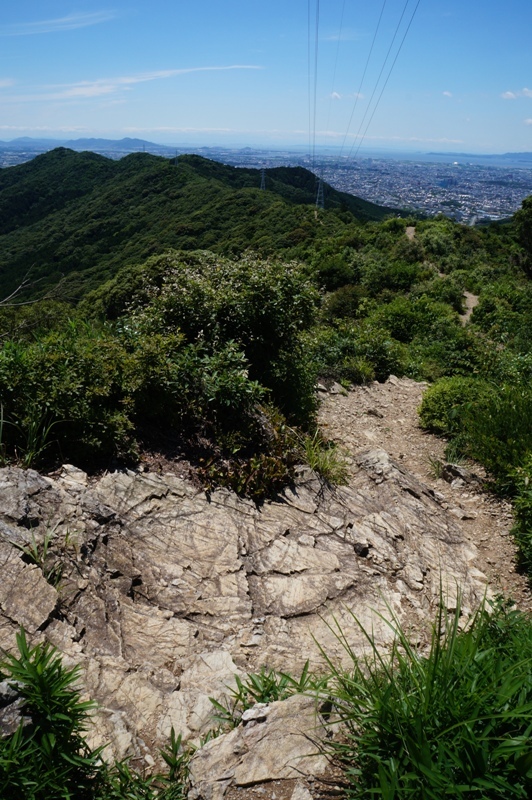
385, 415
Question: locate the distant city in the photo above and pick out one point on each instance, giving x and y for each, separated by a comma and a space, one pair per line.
467, 188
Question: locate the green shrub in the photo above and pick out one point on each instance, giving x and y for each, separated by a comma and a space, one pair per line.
87, 393
444, 404
334, 271
445, 289
354, 352
344, 303
499, 431
396, 276
48, 758
492, 424
405, 318
261, 306
71, 384
453, 722
522, 529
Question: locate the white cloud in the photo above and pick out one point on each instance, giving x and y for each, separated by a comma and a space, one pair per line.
6, 82
514, 95
447, 94
107, 86
68, 23
528, 121
336, 96
42, 128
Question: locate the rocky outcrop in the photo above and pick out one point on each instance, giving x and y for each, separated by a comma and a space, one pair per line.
162, 593
280, 742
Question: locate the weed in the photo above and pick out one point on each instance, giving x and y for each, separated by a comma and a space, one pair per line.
435, 467
265, 686
48, 758
37, 553
453, 723
324, 457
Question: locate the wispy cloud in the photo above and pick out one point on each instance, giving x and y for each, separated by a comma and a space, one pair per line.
514, 95
42, 129
447, 94
528, 121
84, 90
69, 23
5, 83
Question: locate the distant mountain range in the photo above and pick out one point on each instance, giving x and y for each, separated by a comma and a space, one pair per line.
126, 145
132, 145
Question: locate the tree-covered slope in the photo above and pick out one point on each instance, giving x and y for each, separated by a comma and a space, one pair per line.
83, 216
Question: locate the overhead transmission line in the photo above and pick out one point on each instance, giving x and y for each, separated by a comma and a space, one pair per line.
313, 74
335, 65
313, 93
387, 77
357, 96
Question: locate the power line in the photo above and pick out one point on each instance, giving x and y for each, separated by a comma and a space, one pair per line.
335, 65
315, 92
309, 79
380, 75
357, 96
387, 79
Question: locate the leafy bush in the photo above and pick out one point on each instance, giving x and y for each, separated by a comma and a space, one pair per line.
499, 431
454, 722
344, 303
354, 352
48, 758
69, 386
445, 289
492, 424
522, 529
396, 276
405, 318
262, 306
444, 404
89, 393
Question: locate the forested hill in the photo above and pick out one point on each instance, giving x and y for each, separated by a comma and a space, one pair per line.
84, 216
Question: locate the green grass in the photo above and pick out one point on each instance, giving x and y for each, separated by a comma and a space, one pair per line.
453, 722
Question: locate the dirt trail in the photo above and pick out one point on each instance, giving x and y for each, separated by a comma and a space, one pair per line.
471, 300
385, 415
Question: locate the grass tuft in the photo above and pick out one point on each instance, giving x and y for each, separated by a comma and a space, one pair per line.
455, 722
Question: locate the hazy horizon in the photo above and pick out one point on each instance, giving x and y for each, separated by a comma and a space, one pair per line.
402, 76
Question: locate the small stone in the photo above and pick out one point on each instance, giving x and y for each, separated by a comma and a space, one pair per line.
257, 713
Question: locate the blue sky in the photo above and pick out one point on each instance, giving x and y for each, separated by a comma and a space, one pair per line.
236, 72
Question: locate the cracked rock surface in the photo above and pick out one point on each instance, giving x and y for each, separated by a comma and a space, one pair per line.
163, 594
